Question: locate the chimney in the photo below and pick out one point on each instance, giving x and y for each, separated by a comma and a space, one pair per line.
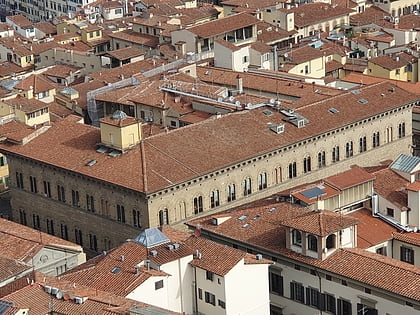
239, 84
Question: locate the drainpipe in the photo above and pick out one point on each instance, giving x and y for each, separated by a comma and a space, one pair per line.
195, 292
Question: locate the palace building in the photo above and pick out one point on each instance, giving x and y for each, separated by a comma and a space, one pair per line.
101, 186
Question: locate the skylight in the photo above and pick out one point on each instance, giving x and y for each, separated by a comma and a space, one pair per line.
243, 217
116, 270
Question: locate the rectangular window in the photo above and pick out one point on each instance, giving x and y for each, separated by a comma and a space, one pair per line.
214, 199
78, 236
276, 284
120, 213
36, 222
407, 255
93, 243
22, 217
231, 193
90, 203
343, 307
3, 161
221, 303
210, 298
363, 309
292, 170
209, 275
375, 140
328, 303
401, 130
335, 156
362, 144
136, 218
64, 231
158, 284
61, 196
75, 200
50, 226
307, 164
390, 212
198, 204
262, 181
32, 181
321, 159
313, 297
19, 180
47, 189
297, 292
200, 293
349, 149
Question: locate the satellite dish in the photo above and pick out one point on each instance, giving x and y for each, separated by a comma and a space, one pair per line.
231, 98
237, 103
272, 101
286, 55
59, 295
220, 99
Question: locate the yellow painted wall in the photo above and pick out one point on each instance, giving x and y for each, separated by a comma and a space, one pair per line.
316, 68
120, 138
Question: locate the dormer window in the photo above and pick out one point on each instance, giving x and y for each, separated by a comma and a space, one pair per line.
312, 243
296, 238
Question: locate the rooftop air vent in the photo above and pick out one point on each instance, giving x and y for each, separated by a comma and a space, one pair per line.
176, 245
170, 247
258, 257
153, 253
333, 110
91, 163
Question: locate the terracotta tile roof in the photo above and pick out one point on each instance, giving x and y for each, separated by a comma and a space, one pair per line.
166, 165
195, 15
136, 38
414, 186
46, 27
23, 243
314, 13
303, 54
35, 298
127, 70
391, 186
261, 47
111, 4
371, 15
371, 230
387, 62
409, 238
267, 232
256, 4
354, 176
20, 20
328, 192
37, 82
8, 68
367, 79
344, 3
84, 88
409, 22
62, 71
269, 34
24, 104
224, 25
10, 268
321, 223
125, 53
301, 93
332, 66
58, 111
194, 117
15, 131
100, 272
227, 44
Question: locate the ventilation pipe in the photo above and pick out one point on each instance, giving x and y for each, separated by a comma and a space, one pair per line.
239, 85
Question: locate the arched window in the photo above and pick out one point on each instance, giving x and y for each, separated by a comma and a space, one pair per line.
321, 159
349, 149
296, 238
389, 134
335, 154
247, 186
198, 204
312, 243
277, 175
292, 170
375, 139
214, 199
362, 144
307, 164
163, 217
262, 181
331, 241
401, 130
231, 192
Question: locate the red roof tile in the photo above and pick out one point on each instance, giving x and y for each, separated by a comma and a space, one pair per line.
409, 238
391, 186
354, 176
